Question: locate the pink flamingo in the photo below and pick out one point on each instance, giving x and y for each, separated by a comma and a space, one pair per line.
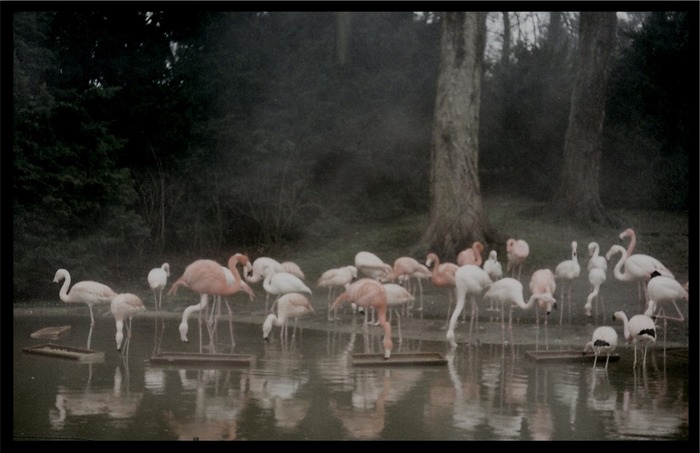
471, 255
124, 307
406, 268
640, 264
292, 268
443, 275
206, 278
366, 293
543, 284
517, 251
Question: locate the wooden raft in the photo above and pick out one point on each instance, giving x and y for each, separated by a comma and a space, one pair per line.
65, 352
52, 333
196, 359
400, 359
576, 356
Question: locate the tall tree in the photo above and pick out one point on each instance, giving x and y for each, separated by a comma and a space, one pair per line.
456, 213
578, 196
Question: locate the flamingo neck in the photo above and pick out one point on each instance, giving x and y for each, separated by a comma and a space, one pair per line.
63, 293
632, 244
625, 277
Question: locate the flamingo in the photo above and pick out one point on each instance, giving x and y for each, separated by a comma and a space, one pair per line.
470, 280
396, 295
543, 283
494, 269
279, 283
157, 279
517, 252
596, 277
596, 260
639, 264
603, 340
568, 270
292, 268
123, 307
289, 305
471, 255
372, 266
259, 267
206, 278
638, 329
85, 292
406, 268
509, 291
664, 291
368, 292
443, 275
336, 278
638, 269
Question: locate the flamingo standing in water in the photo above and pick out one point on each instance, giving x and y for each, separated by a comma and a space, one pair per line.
157, 279
85, 292
596, 259
470, 280
596, 277
406, 268
206, 278
494, 269
443, 275
471, 255
510, 291
635, 269
124, 307
336, 278
289, 305
543, 283
396, 295
366, 293
638, 329
517, 251
279, 283
603, 340
639, 264
664, 291
262, 266
568, 271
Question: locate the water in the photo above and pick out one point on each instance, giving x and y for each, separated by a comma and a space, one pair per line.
309, 390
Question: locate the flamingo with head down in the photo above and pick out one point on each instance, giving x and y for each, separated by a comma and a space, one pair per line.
471, 255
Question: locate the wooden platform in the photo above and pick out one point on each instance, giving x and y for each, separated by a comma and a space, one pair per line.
400, 359
195, 359
52, 333
577, 356
65, 352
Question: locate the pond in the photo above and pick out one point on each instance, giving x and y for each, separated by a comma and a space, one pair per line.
309, 389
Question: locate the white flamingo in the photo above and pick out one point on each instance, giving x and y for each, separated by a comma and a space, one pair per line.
603, 341
596, 277
639, 264
336, 278
568, 271
470, 280
372, 266
596, 259
517, 251
543, 283
279, 283
85, 292
663, 292
289, 306
638, 329
493, 267
635, 269
157, 279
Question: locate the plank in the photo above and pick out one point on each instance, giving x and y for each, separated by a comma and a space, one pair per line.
400, 359
196, 359
51, 333
65, 352
568, 356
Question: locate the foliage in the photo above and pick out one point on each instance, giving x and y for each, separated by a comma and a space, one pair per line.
191, 133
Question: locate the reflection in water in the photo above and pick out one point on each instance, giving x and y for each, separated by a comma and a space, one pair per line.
313, 391
217, 406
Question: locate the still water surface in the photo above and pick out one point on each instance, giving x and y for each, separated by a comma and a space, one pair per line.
310, 391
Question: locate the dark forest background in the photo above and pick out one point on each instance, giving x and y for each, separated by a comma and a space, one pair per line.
140, 135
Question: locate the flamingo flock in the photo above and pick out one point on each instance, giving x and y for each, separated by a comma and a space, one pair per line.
374, 285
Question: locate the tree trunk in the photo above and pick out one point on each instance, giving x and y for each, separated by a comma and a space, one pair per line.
578, 195
505, 53
456, 214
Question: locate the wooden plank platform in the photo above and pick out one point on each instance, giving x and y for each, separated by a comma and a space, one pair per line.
568, 356
52, 333
196, 359
400, 359
65, 352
